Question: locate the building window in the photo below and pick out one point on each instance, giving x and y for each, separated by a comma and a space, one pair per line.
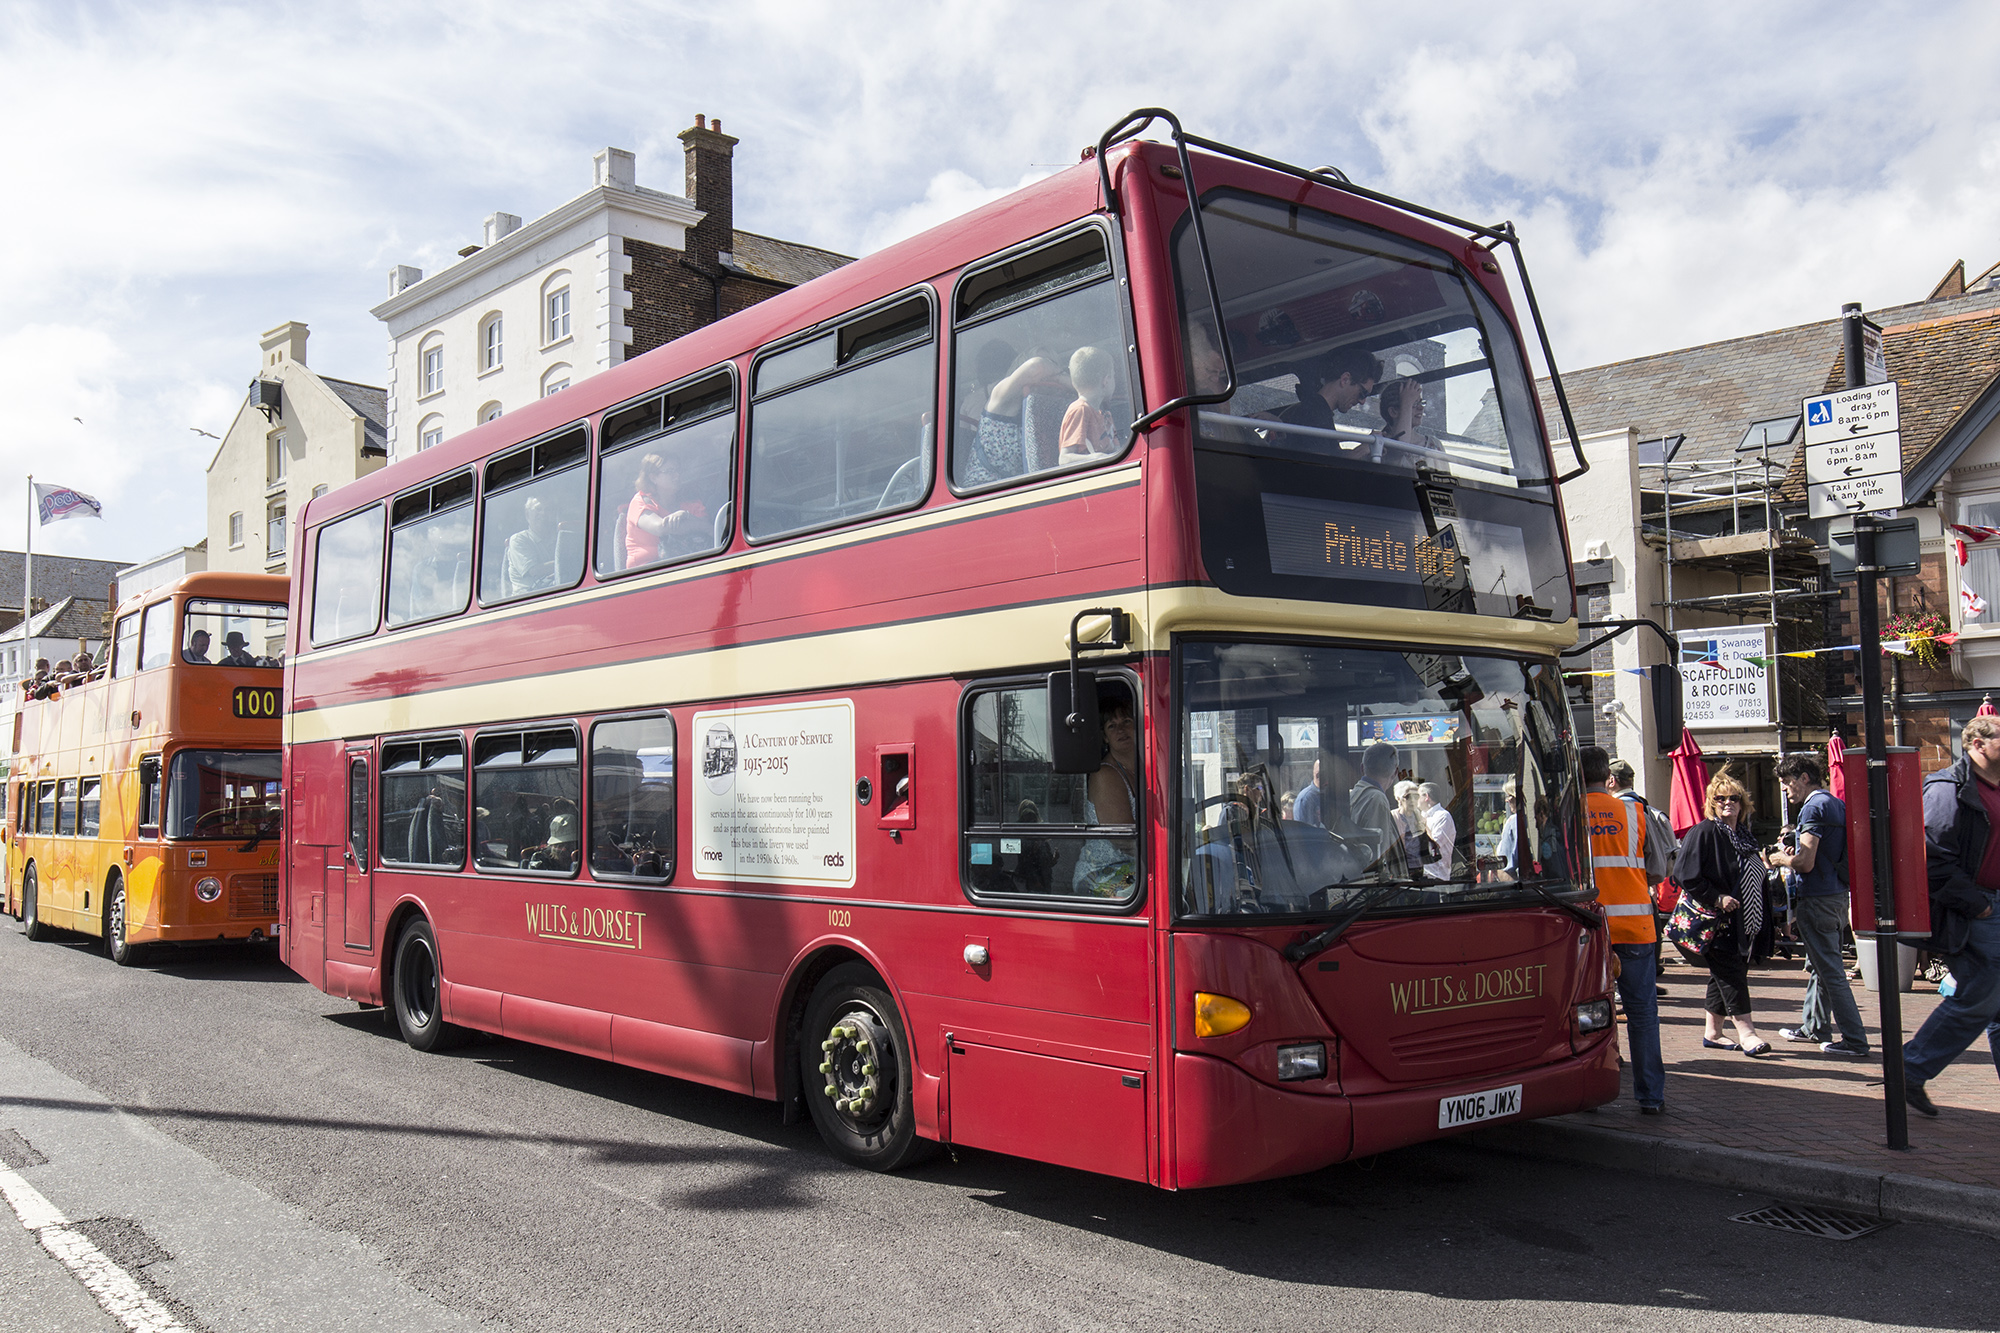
235, 529
490, 339
430, 433
319, 490
490, 412
434, 369
558, 315
274, 534
275, 463
555, 379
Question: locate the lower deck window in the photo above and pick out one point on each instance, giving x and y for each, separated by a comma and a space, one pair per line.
1031, 831
632, 798
423, 802
525, 790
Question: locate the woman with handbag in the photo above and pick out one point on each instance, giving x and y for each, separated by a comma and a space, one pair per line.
1721, 875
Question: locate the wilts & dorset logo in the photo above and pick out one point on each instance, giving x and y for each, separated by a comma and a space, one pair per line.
1500, 985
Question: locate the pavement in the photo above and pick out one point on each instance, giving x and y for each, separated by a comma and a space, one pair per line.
1798, 1122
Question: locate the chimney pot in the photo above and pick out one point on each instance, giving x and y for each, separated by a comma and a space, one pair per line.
717, 126
700, 121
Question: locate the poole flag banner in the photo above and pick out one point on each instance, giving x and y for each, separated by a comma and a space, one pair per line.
57, 503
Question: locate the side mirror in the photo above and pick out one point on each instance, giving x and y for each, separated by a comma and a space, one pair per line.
1666, 681
1076, 736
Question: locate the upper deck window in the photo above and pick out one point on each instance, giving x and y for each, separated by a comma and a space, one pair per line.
1383, 445
664, 476
1039, 372
841, 425
125, 647
532, 517
156, 636
430, 550
347, 577
217, 633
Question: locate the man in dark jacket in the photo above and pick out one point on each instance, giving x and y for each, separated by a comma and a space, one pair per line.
1961, 810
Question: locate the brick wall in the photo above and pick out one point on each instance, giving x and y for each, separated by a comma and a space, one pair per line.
670, 300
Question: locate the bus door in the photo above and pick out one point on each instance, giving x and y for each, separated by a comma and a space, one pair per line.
355, 912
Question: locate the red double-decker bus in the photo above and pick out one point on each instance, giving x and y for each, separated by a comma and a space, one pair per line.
969, 698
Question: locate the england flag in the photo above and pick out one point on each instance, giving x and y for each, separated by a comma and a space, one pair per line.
57, 503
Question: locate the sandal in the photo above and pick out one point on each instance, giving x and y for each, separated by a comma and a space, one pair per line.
1761, 1049
1715, 1045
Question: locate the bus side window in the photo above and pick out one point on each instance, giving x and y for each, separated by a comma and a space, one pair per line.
347, 577
532, 516
632, 798
422, 820
430, 551
664, 476
87, 809
149, 796
524, 798
1040, 376
125, 647
66, 807
156, 641
855, 436
1029, 830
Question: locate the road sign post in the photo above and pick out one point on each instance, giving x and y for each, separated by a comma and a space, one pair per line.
1855, 434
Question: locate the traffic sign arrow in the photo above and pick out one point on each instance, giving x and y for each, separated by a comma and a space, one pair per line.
1871, 410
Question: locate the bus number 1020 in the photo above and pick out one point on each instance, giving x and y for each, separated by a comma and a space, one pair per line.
837, 917
255, 701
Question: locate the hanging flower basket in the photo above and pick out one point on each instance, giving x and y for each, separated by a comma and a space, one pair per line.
1922, 630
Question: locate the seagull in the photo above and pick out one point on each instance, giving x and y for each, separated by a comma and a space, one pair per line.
199, 431
77, 420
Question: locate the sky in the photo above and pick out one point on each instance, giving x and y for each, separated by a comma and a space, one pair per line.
178, 178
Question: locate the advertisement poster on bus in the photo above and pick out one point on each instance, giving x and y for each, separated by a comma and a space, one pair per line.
1724, 677
774, 793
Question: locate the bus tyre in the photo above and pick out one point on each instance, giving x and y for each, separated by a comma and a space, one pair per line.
418, 989
854, 1061
31, 910
121, 950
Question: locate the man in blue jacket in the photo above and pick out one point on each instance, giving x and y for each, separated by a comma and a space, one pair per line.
1818, 881
1961, 809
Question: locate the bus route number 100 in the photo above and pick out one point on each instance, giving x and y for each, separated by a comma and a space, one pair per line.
255, 701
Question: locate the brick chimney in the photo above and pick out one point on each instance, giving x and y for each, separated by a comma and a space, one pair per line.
709, 188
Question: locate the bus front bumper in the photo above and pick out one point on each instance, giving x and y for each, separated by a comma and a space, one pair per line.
1231, 1128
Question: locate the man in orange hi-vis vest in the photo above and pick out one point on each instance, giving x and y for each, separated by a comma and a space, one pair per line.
1618, 867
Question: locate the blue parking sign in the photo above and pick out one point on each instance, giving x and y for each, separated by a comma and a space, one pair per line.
1819, 411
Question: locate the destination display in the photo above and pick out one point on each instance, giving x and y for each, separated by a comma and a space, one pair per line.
775, 799
1329, 539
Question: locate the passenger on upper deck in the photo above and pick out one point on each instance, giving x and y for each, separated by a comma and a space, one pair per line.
531, 552
1333, 383
197, 648
1402, 406
1086, 427
652, 531
1002, 447
239, 650
85, 666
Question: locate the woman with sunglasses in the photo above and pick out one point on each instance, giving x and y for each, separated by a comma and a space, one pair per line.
1721, 869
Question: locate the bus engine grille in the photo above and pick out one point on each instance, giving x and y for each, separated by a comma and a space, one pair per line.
252, 896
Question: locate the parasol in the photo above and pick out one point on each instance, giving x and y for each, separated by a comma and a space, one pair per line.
1836, 768
1690, 786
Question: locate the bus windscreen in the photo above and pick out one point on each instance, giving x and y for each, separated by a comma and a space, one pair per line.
224, 794
1382, 445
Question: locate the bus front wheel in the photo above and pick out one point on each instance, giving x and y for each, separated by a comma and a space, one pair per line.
121, 950
418, 989
31, 907
858, 1077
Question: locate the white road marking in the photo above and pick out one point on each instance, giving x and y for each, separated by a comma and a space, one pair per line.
115, 1289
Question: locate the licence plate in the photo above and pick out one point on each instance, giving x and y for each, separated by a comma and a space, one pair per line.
1474, 1107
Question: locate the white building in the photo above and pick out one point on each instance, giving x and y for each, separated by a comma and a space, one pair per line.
616, 271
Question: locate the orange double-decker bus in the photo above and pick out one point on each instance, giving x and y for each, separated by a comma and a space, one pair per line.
144, 802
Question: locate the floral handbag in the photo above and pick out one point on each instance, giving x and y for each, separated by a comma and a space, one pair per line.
1692, 927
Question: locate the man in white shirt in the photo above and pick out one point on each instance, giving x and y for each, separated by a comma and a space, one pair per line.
1434, 802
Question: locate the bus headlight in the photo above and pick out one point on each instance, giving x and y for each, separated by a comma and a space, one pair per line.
1218, 1015
209, 889
1593, 1016
1307, 1061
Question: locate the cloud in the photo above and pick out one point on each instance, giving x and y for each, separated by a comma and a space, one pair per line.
197, 173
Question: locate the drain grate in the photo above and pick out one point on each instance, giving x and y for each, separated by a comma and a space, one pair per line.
1802, 1220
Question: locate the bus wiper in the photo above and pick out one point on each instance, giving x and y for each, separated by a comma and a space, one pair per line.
1300, 950
1540, 885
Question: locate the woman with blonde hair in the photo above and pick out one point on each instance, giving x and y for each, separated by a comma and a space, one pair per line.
1410, 821
1721, 869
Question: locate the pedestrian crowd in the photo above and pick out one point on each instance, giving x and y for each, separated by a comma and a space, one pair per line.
1719, 898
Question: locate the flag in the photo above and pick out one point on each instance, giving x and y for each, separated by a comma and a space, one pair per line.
1975, 605
57, 503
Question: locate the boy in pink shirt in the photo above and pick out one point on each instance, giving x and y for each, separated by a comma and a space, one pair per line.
1086, 427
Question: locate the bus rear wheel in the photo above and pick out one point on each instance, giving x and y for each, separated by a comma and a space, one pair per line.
418, 989
858, 1077
31, 907
121, 950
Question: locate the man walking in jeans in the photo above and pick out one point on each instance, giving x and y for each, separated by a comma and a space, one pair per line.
1816, 857
1961, 806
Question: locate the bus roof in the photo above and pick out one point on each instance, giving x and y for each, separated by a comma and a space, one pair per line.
222, 584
